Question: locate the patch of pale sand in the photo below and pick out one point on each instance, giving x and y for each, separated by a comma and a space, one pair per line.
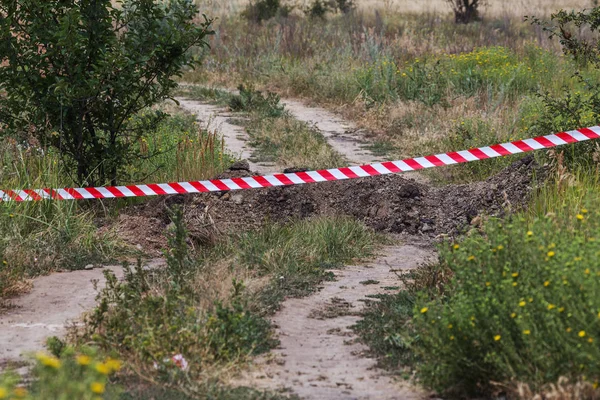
319, 358
217, 119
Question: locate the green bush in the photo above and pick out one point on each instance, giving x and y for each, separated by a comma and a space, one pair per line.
262, 10
151, 316
74, 74
522, 305
251, 100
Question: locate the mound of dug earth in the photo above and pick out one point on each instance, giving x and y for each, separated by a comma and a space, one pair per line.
388, 203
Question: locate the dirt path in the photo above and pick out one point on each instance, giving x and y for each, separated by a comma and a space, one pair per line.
217, 118
55, 302
319, 357
340, 134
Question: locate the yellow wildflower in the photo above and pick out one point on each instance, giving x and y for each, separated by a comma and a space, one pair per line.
103, 368
584, 211
471, 258
424, 310
49, 361
451, 337
551, 306
20, 392
526, 332
569, 329
581, 333
515, 274
488, 283
97, 387
579, 217
84, 360
551, 254
497, 337
529, 233
114, 365
547, 283
587, 271
514, 283
3, 393
513, 315
449, 326
456, 247
561, 309
500, 247
522, 304
590, 340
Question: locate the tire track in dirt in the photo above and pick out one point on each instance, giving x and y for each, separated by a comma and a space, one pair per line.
342, 135
319, 356
55, 302
216, 118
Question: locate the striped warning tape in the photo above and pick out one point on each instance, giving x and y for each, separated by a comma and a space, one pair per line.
335, 174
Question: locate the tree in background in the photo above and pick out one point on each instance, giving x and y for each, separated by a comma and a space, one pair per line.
466, 11
73, 73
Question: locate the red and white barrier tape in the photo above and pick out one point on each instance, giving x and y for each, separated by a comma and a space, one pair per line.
335, 174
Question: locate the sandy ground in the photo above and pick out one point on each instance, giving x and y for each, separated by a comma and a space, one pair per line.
319, 357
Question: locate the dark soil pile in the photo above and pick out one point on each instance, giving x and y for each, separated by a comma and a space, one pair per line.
388, 203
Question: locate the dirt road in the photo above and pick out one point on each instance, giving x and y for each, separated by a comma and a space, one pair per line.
319, 357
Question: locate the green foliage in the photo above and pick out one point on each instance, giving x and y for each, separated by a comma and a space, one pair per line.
152, 315
298, 256
468, 134
386, 328
575, 108
251, 100
74, 375
522, 305
74, 72
262, 10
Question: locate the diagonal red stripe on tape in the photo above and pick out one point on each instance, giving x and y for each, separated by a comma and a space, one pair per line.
522, 145
589, 133
457, 157
412, 163
74, 193
435, 161
326, 174
116, 192
498, 148
478, 153
135, 189
566, 137
262, 181
348, 172
156, 189
199, 186
391, 166
94, 192
178, 188
543, 141
369, 169
283, 179
305, 177
33, 194
241, 183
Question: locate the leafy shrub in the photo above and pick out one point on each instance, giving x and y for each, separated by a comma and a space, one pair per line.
75, 89
579, 108
522, 305
262, 10
152, 315
73, 375
251, 100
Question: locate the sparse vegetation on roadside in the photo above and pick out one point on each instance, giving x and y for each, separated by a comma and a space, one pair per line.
203, 297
